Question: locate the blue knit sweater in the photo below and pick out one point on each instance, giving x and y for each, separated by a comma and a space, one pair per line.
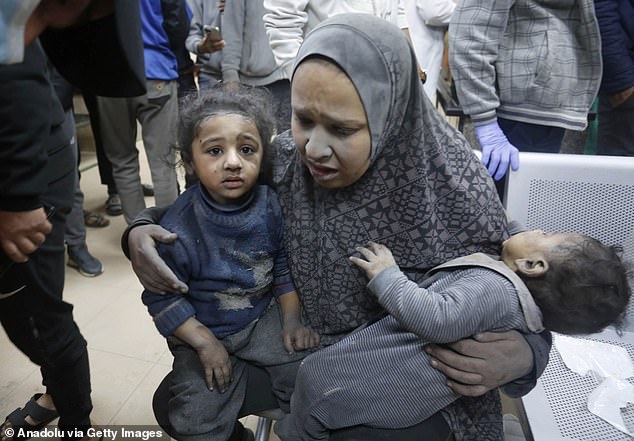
231, 257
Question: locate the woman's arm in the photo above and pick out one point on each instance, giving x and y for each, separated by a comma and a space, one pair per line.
493, 359
139, 245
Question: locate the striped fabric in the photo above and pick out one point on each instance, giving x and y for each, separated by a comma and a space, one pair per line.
380, 376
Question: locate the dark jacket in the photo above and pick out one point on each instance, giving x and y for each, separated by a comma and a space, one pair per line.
616, 23
34, 145
103, 56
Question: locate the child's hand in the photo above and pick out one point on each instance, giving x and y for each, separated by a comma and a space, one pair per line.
297, 337
379, 257
216, 365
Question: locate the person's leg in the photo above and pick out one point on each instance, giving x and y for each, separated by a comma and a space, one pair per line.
434, 428
75, 233
103, 163
377, 377
118, 129
194, 411
616, 128
264, 347
41, 324
259, 396
158, 116
532, 137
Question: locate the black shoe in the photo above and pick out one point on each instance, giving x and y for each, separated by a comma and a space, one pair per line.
113, 205
80, 259
148, 190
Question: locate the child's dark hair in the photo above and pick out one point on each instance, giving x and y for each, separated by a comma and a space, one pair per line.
251, 102
584, 290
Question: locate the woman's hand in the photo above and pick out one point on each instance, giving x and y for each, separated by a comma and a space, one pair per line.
216, 365
297, 337
152, 271
476, 365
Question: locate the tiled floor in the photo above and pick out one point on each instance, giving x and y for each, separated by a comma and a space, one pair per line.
128, 357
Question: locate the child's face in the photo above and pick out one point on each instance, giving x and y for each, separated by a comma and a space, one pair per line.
329, 125
226, 156
530, 244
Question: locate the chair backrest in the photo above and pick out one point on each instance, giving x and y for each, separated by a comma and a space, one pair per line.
593, 195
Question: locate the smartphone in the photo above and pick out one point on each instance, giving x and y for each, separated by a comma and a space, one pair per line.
213, 32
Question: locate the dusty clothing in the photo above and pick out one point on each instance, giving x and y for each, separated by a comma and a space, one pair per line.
230, 256
379, 376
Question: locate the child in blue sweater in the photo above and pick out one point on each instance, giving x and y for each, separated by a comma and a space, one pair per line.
230, 253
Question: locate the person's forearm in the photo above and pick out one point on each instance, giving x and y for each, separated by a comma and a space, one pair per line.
290, 307
195, 34
195, 334
474, 41
151, 215
284, 22
540, 345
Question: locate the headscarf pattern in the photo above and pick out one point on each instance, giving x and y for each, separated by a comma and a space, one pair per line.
425, 195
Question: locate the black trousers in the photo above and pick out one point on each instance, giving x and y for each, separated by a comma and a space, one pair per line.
103, 163
41, 324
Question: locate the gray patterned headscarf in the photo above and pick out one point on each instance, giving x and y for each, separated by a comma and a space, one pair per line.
425, 196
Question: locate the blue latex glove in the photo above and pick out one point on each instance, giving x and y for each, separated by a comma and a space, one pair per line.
497, 151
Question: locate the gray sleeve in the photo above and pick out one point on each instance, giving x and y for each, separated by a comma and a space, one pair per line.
195, 26
233, 22
475, 32
472, 301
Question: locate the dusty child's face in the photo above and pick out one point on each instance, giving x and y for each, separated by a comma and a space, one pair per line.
329, 125
535, 243
226, 156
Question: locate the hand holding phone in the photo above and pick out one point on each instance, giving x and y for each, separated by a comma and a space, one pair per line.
212, 33
212, 42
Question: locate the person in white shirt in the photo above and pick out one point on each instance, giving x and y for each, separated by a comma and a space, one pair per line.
288, 21
428, 21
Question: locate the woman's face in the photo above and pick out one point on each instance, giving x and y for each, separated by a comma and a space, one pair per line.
329, 125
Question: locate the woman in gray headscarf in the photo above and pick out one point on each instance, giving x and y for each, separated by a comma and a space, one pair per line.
370, 159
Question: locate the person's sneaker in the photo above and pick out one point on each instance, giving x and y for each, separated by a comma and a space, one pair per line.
148, 190
113, 205
80, 258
